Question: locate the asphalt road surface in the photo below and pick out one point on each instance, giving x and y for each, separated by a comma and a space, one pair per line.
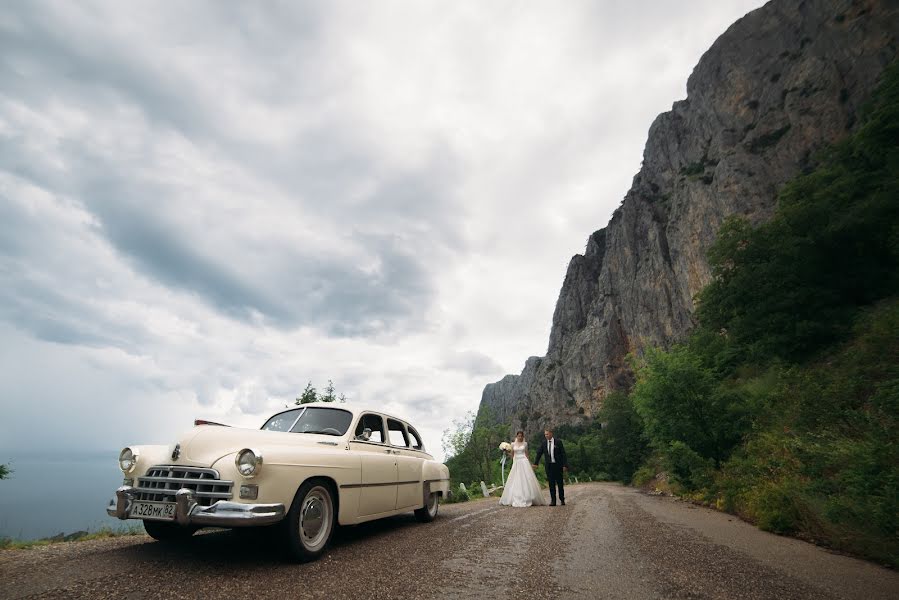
609, 542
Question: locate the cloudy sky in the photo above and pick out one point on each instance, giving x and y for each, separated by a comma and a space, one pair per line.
204, 205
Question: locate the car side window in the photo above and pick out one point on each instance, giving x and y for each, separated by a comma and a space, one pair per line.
415, 439
375, 426
397, 433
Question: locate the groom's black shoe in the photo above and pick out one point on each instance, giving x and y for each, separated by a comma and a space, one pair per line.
552, 503
563, 503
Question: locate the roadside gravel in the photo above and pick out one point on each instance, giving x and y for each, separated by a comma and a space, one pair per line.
609, 542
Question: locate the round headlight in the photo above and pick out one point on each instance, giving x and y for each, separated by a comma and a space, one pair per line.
127, 460
248, 462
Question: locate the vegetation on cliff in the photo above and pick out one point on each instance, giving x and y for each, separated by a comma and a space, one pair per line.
782, 406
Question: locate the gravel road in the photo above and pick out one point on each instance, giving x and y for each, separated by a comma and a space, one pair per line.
609, 542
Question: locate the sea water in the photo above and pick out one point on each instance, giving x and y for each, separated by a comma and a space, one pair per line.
64, 493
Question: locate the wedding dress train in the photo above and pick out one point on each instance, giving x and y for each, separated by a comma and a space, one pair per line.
522, 488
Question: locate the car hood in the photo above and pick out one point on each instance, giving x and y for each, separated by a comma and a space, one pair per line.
205, 444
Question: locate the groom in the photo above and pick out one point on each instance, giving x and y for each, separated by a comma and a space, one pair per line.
556, 463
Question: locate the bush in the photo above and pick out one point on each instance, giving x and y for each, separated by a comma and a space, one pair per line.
790, 287
643, 476
457, 495
621, 442
680, 400
823, 461
789, 386
686, 467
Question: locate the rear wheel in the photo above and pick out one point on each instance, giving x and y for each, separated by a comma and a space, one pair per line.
428, 512
168, 532
309, 525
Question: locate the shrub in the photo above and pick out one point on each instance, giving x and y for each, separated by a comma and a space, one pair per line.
679, 399
457, 495
621, 444
643, 476
686, 467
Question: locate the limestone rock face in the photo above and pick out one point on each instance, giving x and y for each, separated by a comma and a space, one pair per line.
778, 85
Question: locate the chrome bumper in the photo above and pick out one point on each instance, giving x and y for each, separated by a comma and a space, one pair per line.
187, 512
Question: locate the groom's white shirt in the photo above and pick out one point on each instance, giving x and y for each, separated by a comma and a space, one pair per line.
549, 446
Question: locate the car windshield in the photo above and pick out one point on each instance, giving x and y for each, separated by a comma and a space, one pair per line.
325, 421
282, 421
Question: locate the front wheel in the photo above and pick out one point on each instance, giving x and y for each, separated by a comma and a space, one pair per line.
428, 512
168, 532
310, 522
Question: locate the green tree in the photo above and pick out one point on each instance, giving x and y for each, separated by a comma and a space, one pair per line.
5, 471
455, 438
621, 444
790, 287
328, 396
471, 446
484, 446
679, 399
309, 395
799, 330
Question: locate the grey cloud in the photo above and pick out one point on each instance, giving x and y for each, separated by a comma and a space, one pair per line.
295, 286
292, 286
431, 406
408, 221
82, 70
306, 287
473, 363
49, 308
87, 64
63, 319
161, 251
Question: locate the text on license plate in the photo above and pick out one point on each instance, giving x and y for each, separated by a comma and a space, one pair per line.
153, 510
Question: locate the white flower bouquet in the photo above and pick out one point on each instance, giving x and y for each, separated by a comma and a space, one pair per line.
505, 447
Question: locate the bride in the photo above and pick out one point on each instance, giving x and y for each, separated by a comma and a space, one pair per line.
522, 488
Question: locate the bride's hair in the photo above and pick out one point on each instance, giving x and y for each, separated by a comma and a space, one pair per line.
517, 432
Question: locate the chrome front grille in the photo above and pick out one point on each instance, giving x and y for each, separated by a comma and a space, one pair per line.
162, 481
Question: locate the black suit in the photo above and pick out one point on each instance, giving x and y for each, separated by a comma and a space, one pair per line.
554, 467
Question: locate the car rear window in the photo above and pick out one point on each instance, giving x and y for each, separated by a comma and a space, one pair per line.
397, 433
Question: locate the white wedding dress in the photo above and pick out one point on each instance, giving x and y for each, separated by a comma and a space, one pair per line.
522, 488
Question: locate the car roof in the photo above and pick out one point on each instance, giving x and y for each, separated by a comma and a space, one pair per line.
355, 409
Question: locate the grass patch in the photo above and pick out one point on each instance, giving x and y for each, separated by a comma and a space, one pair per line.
767, 140
7, 543
697, 169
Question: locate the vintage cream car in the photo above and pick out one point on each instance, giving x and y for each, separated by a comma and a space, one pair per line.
307, 469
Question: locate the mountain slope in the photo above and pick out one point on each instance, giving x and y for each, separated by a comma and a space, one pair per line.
778, 85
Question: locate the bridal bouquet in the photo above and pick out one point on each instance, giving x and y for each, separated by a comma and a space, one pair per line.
505, 447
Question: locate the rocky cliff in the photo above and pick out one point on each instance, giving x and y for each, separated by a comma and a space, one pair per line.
779, 84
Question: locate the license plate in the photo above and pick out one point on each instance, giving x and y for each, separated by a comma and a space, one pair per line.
162, 511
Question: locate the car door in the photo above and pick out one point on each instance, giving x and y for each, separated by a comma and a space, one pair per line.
379, 466
408, 489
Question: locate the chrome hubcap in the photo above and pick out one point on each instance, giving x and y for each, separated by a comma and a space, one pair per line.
315, 518
432, 504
